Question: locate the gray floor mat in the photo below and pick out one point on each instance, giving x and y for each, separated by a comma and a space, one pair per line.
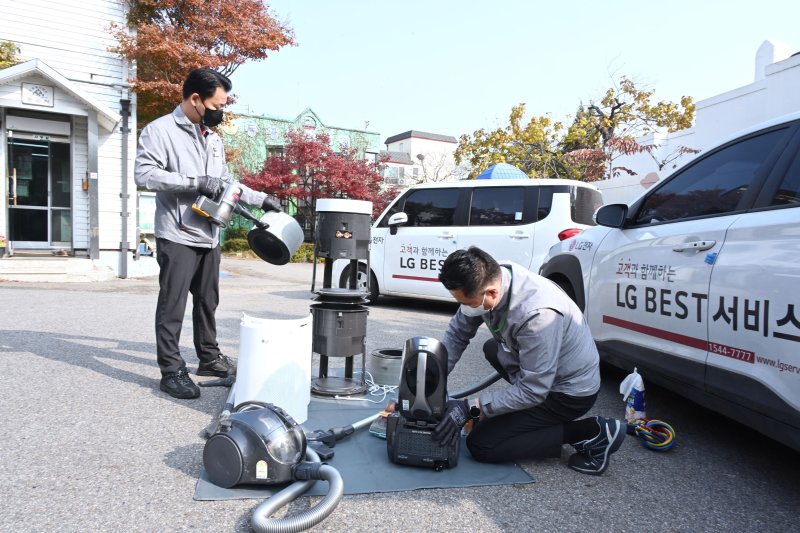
362, 461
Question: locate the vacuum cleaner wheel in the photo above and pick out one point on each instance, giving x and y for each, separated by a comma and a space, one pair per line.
223, 461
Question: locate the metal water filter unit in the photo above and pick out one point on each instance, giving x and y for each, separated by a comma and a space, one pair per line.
340, 316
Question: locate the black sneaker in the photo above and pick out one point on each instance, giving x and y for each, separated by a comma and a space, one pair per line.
592, 456
179, 385
222, 367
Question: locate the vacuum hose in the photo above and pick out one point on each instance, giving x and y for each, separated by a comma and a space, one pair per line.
307, 474
485, 382
336, 434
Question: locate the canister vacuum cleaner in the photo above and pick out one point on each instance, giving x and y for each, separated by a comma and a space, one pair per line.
260, 444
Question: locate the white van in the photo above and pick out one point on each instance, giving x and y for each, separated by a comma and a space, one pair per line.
517, 220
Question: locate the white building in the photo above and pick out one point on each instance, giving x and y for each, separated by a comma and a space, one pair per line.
775, 91
420, 157
67, 141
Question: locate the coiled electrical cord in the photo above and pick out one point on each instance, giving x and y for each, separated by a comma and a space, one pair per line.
373, 389
655, 434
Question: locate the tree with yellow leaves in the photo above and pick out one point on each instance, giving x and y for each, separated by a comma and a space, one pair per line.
587, 148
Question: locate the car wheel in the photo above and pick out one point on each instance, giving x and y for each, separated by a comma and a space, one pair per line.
361, 282
566, 286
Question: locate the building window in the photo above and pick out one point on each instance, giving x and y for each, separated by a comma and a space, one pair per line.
274, 151
402, 172
402, 147
390, 175
415, 172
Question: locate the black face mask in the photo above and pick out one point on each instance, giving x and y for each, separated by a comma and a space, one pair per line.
211, 117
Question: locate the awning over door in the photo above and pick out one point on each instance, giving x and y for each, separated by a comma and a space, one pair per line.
106, 118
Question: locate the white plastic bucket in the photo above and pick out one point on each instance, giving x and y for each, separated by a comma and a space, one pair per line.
275, 364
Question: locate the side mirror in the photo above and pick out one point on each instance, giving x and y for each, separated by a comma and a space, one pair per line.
612, 215
398, 219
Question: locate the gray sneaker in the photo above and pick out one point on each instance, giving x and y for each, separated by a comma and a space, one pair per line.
592, 456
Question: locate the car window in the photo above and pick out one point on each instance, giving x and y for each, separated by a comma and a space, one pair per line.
583, 203
545, 202
714, 185
496, 206
788, 192
396, 208
431, 207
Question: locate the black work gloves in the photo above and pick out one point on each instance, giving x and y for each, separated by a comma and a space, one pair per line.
209, 186
270, 205
449, 429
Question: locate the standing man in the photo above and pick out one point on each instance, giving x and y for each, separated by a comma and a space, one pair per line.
543, 348
179, 157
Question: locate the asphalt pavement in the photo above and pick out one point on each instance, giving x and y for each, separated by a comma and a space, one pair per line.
89, 443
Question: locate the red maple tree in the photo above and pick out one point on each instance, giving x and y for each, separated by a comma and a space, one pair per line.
169, 38
310, 169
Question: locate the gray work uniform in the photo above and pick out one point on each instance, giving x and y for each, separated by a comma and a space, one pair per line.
542, 346
172, 153
545, 340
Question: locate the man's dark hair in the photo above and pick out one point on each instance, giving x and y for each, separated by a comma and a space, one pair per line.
204, 81
468, 271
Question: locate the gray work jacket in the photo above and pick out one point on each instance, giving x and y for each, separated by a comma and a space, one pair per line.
171, 154
548, 345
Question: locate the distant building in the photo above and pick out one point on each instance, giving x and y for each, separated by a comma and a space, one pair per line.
775, 91
418, 156
255, 137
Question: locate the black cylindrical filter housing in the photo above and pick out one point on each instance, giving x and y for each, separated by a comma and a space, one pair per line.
343, 227
339, 329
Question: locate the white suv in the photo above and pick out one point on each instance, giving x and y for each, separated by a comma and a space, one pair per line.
516, 220
697, 283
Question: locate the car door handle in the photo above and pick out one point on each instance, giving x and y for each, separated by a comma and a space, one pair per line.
694, 245
520, 235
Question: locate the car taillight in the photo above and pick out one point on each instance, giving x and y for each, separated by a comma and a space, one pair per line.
567, 233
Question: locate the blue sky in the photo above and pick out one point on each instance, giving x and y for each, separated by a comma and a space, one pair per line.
453, 67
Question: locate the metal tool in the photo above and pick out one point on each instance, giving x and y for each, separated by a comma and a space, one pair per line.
221, 209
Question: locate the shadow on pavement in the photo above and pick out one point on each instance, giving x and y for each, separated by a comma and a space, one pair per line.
186, 459
92, 353
415, 304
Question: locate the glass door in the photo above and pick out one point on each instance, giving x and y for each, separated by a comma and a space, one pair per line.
40, 199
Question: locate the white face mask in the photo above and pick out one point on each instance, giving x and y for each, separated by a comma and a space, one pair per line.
475, 311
